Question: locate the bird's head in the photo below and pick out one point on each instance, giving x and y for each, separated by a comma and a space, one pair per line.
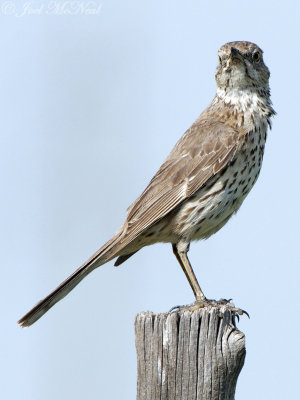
241, 67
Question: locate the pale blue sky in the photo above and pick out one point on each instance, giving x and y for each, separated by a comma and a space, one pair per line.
90, 107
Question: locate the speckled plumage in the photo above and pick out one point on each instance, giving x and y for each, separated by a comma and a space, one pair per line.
204, 180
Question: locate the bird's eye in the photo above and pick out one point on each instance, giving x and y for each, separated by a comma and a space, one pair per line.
220, 60
256, 57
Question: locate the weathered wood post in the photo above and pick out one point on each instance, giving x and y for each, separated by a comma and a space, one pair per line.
191, 355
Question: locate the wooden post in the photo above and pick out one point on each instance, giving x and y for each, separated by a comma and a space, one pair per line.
190, 355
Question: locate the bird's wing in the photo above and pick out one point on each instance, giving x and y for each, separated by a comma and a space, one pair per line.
204, 150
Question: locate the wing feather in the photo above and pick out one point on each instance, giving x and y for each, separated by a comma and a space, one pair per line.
203, 151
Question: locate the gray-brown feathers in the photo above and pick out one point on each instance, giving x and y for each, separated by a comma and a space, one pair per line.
205, 178
241, 66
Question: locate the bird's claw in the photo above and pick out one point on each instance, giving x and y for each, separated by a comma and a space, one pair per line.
222, 305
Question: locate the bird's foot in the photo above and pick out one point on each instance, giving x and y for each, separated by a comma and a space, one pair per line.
222, 305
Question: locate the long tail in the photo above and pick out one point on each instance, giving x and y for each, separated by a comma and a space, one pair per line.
105, 254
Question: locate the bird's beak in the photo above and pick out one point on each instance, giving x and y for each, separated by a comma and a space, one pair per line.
236, 54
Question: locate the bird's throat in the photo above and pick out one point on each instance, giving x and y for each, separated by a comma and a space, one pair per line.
249, 108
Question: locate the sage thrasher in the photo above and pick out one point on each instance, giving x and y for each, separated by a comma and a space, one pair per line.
203, 181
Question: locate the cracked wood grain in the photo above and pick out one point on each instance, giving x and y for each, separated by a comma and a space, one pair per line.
191, 355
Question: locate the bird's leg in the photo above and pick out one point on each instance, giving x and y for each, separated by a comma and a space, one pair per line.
189, 273
201, 300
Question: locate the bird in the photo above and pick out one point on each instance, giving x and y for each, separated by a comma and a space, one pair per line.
202, 182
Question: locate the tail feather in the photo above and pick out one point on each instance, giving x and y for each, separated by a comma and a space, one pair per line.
105, 254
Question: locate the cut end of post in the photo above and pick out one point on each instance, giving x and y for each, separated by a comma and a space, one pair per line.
188, 355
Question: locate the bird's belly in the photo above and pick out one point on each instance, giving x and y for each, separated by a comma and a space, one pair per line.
211, 207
